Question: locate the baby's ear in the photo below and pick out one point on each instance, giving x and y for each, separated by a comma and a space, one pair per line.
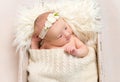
36, 38
35, 42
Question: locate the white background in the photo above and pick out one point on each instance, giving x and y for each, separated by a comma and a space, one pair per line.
110, 39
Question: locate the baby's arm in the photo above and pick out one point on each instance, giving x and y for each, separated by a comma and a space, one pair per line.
81, 49
76, 48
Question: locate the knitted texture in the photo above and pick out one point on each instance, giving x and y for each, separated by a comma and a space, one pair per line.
54, 65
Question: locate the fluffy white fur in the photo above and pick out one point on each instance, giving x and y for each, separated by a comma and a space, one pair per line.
83, 17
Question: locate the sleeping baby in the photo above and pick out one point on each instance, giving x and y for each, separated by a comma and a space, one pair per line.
57, 42
52, 31
57, 55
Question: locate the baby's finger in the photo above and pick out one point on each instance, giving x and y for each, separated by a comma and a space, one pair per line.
73, 52
66, 50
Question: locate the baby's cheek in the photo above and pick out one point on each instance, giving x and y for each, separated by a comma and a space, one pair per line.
59, 43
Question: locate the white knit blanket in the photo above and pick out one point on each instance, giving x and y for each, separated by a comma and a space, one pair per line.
54, 65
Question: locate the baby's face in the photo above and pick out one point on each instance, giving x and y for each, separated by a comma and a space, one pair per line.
59, 34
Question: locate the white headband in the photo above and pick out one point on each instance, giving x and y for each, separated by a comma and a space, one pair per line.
52, 17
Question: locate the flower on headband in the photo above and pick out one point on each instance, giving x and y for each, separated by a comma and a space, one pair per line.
47, 24
52, 17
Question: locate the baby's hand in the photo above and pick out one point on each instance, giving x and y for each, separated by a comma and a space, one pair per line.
71, 50
76, 52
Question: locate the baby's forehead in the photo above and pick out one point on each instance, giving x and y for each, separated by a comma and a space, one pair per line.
58, 25
56, 28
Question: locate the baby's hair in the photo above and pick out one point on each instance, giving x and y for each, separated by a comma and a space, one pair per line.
39, 22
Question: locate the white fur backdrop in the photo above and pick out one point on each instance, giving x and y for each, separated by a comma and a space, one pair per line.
83, 16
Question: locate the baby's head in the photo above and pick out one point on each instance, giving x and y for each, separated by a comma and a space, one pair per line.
52, 29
